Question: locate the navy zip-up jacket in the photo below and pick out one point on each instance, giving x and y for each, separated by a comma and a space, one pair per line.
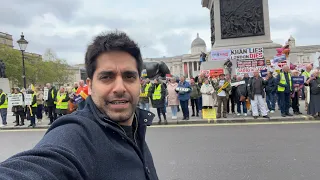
86, 145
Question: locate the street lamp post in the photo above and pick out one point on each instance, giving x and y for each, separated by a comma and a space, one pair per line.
23, 46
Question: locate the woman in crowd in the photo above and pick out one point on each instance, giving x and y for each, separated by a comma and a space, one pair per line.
207, 90
39, 96
158, 95
314, 104
172, 97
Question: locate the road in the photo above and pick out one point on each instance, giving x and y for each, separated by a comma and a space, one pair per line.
224, 152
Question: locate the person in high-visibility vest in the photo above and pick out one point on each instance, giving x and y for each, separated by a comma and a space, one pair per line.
3, 107
32, 109
284, 89
158, 92
306, 90
145, 94
62, 102
75, 87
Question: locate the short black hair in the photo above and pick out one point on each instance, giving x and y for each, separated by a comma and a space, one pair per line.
109, 42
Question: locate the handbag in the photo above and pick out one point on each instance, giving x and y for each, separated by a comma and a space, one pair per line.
242, 97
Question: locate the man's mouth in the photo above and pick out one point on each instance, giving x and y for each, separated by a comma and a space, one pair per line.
119, 102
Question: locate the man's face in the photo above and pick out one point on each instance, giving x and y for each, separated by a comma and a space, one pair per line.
182, 79
48, 86
115, 85
256, 74
221, 77
192, 81
286, 69
246, 75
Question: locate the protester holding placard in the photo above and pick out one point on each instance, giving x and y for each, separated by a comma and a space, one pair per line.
82, 92
271, 89
296, 93
223, 88
184, 90
256, 93
19, 109
3, 107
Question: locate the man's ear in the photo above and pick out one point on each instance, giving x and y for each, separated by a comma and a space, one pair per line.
89, 84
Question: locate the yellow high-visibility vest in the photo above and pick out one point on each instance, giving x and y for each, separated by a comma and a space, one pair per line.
5, 104
60, 104
283, 81
35, 105
146, 90
306, 74
157, 93
52, 95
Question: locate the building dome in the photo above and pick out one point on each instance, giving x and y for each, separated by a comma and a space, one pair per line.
198, 45
198, 42
291, 38
291, 42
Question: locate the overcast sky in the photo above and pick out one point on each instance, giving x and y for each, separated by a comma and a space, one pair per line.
161, 27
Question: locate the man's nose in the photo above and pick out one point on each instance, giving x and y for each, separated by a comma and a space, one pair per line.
119, 87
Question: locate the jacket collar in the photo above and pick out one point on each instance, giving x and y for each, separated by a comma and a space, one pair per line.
144, 118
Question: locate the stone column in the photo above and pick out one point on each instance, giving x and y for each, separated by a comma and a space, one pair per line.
193, 74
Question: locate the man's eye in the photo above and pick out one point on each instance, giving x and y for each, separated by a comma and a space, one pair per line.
105, 77
130, 76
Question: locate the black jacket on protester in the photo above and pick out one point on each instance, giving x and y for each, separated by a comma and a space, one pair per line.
251, 89
51, 99
271, 85
86, 145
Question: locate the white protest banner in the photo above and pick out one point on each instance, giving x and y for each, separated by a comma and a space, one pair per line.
238, 83
182, 89
28, 99
15, 99
220, 55
45, 93
206, 73
249, 70
246, 53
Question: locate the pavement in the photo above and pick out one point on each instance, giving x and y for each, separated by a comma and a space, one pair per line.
231, 118
234, 151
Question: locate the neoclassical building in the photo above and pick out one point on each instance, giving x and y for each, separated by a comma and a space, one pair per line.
186, 64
